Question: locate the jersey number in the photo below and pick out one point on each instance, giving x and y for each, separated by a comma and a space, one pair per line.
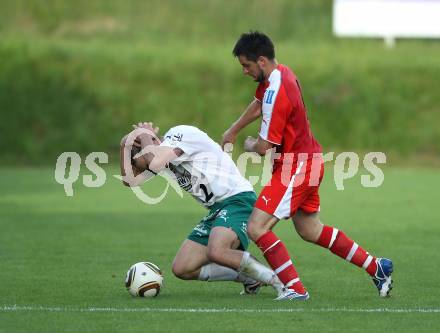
208, 196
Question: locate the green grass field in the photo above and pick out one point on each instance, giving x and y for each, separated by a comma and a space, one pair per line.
63, 261
75, 75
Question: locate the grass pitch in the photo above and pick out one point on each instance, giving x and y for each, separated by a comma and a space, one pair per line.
63, 261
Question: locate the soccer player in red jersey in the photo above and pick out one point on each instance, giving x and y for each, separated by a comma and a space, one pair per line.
297, 172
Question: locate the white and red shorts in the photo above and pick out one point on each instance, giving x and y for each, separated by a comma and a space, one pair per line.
293, 187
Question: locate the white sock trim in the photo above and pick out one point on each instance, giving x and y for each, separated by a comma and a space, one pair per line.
272, 246
204, 273
334, 234
352, 252
283, 266
292, 282
215, 272
244, 260
367, 262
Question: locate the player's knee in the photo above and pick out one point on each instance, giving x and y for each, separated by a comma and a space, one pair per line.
305, 234
216, 254
308, 227
179, 270
176, 269
255, 230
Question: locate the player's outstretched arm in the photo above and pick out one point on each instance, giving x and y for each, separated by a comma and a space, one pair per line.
252, 112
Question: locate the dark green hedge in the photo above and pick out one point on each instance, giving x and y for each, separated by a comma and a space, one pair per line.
76, 78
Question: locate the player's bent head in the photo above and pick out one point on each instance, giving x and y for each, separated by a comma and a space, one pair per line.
253, 45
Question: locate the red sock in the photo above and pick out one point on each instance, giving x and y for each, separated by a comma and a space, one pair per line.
338, 243
278, 258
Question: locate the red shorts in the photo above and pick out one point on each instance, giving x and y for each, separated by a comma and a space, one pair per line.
293, 187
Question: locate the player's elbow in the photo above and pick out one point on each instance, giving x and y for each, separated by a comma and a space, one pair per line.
129, 182
157, 164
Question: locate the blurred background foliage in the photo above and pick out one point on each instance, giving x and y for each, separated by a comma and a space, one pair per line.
74, 75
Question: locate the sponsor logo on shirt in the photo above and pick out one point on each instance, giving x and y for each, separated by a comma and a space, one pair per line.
174, 138
177, 137
182, 175
268, 96
266, 200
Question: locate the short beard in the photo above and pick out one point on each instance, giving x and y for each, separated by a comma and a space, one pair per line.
260, 77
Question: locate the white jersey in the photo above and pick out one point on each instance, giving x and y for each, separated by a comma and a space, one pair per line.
203, 170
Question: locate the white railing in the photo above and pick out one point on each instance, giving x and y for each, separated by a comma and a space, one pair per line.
387, 19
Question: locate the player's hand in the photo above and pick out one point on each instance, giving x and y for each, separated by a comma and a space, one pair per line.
148, 126
146, 133
228, 137
249, 144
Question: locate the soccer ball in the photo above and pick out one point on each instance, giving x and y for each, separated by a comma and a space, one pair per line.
144, 279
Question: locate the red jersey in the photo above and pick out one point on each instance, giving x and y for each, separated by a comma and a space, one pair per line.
285, 121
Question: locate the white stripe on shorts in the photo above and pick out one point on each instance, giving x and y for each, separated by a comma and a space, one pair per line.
283, 208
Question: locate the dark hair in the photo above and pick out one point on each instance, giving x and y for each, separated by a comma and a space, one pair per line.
254, 44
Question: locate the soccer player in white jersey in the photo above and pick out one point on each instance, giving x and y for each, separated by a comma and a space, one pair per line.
216, 248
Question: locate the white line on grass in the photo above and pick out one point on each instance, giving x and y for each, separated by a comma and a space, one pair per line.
20, 308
